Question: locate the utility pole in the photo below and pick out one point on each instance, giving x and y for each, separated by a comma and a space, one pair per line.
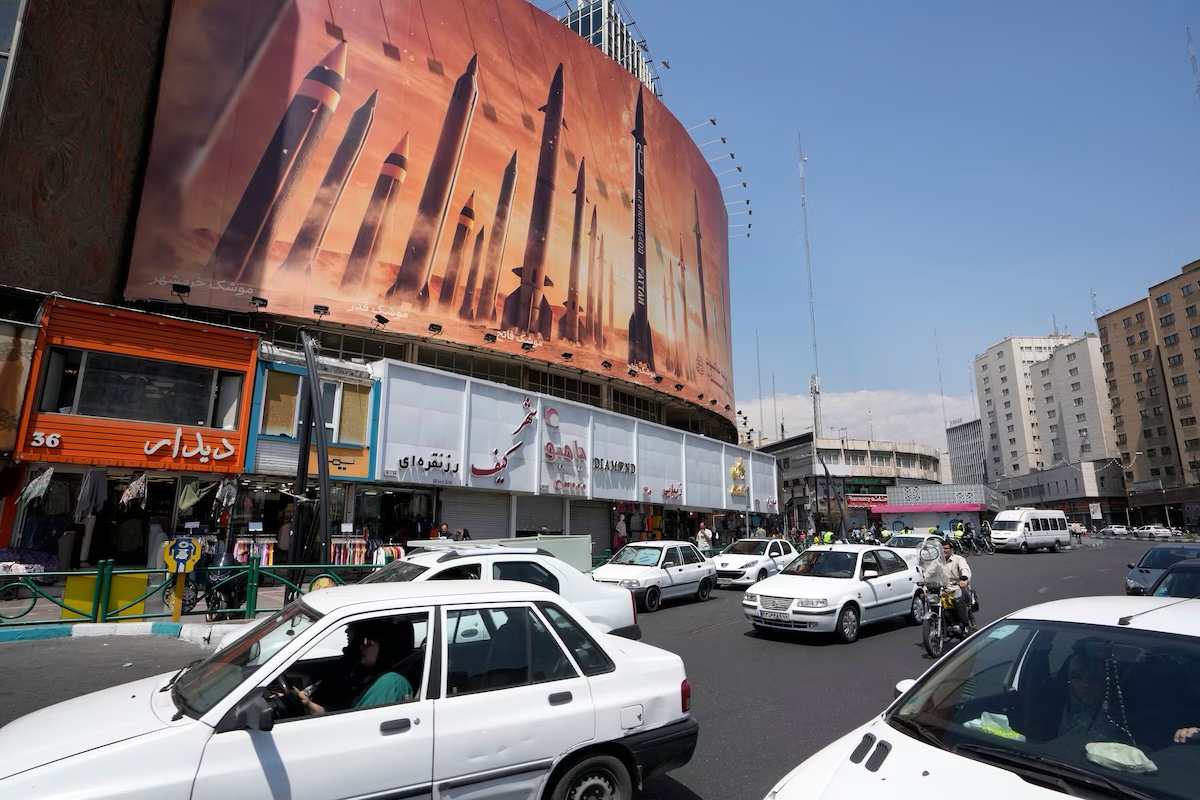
758, 358
814, 386
775, 401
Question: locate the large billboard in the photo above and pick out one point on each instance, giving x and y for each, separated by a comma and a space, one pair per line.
470, 169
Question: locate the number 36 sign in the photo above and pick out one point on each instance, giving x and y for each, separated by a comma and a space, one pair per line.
43, 439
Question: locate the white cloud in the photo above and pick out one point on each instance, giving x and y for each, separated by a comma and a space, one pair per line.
883, 415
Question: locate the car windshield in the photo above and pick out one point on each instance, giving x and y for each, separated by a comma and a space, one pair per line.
1180, 583
1076, 705
1005, 525
637, 556
906, 541
822, 564
396, 572
207, 683
1163, 557
746, 547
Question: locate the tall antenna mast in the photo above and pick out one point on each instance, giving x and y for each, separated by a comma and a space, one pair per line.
1192, 58
938, 350
814, 385
762, 420
775, 401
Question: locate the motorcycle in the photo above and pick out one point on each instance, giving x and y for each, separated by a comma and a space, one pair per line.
213, 580
940, 628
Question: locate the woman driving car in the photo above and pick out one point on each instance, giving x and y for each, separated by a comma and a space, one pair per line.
375, 679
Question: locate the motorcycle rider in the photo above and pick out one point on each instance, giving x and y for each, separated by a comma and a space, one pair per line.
955, 573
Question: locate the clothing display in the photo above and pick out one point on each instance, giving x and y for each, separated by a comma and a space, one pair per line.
348, 551
38, 486
93, 494
385, 554
261, 546
192, 493
636, 524
129, 536
58, 497
136, 490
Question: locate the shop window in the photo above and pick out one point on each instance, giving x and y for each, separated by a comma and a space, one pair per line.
280, 403
346, 408
355, 414
95, 384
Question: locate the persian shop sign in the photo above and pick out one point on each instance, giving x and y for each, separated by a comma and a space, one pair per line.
865, 500
371, 185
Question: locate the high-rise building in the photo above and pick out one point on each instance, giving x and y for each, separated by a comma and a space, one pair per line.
1149, 372
1007, 403
1074, 415
607, 24
968, 459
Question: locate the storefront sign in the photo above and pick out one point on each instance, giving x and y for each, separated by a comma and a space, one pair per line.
201, 450
626, 467
501, 461
437, 462
738, 474
673, 492
565, 453
865, 500
559, 486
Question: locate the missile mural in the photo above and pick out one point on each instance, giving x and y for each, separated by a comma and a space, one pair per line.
700, 268
641, 345
312, 233
683, 307
377, 216
568, 326
673, 299
666, 308
242, 250
608, 299
467, 309
590, 320
598, 328
486, 308
416, 267
466, 223
527, 309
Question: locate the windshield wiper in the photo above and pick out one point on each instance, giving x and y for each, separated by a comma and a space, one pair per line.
1052, 767
171, 682
912, 726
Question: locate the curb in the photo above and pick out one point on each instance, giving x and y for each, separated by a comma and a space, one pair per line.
196, 633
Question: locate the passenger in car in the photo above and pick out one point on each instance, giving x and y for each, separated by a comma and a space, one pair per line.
1086, 712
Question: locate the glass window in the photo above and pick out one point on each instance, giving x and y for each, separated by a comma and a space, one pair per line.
459, 572
672, 557
62, 380
638, 555
280, 403
822, 564
525, 572
514, 648
691, 555
588, 654
355, 414
1140, 316
891, 562
871, 561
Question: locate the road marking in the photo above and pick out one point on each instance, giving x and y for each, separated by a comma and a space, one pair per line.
1106, 569
1067, 577
1043, 590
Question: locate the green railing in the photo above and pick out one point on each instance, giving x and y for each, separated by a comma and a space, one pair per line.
296, 579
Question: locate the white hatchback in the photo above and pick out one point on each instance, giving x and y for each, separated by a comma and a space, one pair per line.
747, 561
438, 689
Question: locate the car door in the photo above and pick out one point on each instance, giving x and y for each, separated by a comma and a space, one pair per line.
675, 583
786, 555
385, 750
509, 705
694, 566
901, 583
775, 554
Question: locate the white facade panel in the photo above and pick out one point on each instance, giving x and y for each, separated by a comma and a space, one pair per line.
614, 458
705, 484
660, 464
566, 449
421, 436
502, 438
763, 480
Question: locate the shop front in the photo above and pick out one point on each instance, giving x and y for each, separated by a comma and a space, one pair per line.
133, 425
503, 462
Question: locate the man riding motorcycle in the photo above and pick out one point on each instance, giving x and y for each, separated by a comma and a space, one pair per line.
953, 572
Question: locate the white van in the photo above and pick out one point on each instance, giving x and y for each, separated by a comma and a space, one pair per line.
1028, 529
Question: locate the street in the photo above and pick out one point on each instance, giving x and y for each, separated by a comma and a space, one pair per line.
765, 703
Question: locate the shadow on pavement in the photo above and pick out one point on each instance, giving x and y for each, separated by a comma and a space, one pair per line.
667, 788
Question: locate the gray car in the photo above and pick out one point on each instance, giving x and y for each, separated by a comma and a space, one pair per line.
1154, 562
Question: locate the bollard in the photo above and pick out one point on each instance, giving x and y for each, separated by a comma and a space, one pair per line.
104, 578
252, 578
177, 599
97, 591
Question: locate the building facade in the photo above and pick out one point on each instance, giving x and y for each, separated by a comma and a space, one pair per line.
609, 27
1088, 492
1074, 414
922, 507
968, 457
1008, 406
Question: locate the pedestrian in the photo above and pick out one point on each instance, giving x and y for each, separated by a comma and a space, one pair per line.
466, 535
442, 532
703, 538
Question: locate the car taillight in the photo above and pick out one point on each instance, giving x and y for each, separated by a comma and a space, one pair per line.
685, 696
633, 600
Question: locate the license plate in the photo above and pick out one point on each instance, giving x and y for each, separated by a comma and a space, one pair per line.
775, 615
724, 581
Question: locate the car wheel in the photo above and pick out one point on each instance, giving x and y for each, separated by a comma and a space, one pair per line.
916, 614
762, 575
598, 777
653, 600
847, 627
1057, 546
1024, 548
704, 591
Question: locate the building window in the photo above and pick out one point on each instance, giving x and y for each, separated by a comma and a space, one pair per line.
1114, 401
1108, 366
1191, 444
1058, 456
1190, 310
1148, 433
1163, 299
1008, 416
1082, 432
1145, 412
1194, 331
1172, 340
634, 406
1184, 401
1078, 401
1070, 356
1004, 393
566, 387
1002, 368
1155, 472
1162, 431
1187, 422
1012, 441
1179, 380
96, 384
1106, 348
1127, 322
1122, 438
988, 390
1048, 398
1011, 428
1147, 355
1080, 417
1169, 470
1131, 340
986, 381
1151, 372
1140, 316
1051, 413
1187, 289
983, 367
1008, 403
1075, 386
1053, 428
885, 459
989, 402
856, 458
1167, 319
1045, 372
1118, 420
1166, 451
1137, 377
1133, 358
1155, 391
1141, 395
1158, 410
488, 369
1046, 387
1175, 360
1074, 371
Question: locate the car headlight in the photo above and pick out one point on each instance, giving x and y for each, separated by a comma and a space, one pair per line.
750, 598
812, 602
1130, 584
631, 583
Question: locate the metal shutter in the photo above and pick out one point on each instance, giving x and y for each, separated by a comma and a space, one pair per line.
484, 514
594, 519
535, 513
276, 458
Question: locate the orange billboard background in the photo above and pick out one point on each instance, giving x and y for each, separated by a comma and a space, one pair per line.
391, 142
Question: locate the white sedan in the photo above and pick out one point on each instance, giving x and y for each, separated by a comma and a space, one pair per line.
657, 571
836, 589
747, 561
417, 690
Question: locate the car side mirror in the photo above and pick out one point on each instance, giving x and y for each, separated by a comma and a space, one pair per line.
667, 564
870, 573
254, 713
1131, 566
904, 685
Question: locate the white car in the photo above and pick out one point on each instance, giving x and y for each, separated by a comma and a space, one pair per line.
908, 546
1153, 532
1114, 530
836, 589
747, 561
1089, 697
532, 702
657, 571
610, 608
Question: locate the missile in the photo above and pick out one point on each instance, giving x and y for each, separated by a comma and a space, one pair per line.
666, 298
673, 299
467, 309
416, 267
598, 328
683, 305
700, 268
593, 283
377, 216
612, 288
466, 223
242, 250
641, 344
527, 309
495, 252
312, 233
568, 326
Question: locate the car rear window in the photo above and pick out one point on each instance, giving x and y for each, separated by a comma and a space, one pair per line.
396, 572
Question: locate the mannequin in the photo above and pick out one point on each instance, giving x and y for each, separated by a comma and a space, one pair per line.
621, 532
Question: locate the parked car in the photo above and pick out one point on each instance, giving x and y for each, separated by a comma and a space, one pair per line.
1154, 562
535, 702
657, 571
1181, 579
610, 608
989, 718
1152, 532
836, 589
1114, 530
909, 546
748, 561
1027, 529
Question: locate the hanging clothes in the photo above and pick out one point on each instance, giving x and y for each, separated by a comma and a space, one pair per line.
136, 490
58, 498
226, 493
93, 494
193, 493
38, 486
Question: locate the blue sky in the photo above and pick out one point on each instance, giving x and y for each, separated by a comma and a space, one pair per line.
973, 168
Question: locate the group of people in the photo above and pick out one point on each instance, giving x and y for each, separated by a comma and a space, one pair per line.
459, 535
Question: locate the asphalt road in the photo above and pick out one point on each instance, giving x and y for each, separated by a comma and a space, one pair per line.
764, 703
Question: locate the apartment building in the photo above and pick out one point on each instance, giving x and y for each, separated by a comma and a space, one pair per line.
1008, 404
968, 453
1074, 414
